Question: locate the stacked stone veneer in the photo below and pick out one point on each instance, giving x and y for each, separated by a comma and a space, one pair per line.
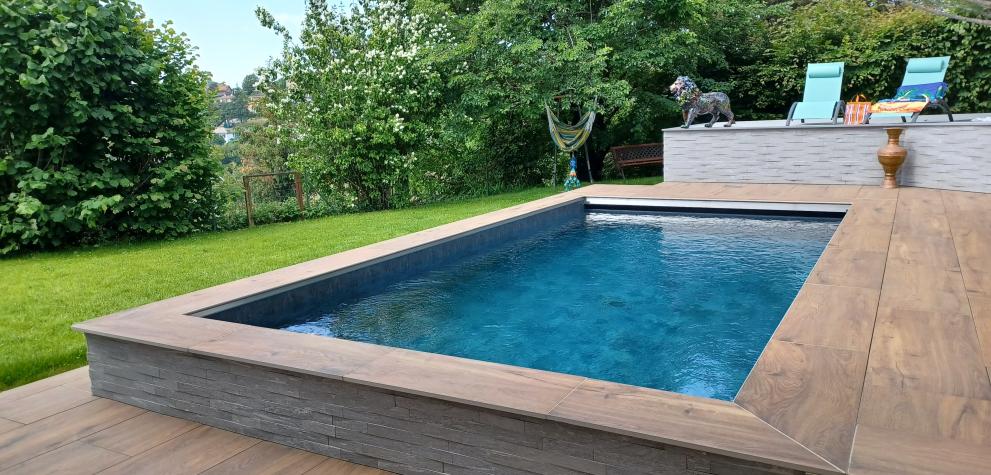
394, 431
948, 156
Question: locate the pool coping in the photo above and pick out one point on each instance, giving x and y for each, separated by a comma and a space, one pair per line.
758, 425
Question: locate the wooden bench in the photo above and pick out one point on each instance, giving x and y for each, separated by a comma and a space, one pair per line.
636, 155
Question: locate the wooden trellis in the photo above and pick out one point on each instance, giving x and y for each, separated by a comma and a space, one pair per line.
249, 203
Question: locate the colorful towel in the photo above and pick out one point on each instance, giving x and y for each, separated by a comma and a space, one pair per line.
888, 106
911, 99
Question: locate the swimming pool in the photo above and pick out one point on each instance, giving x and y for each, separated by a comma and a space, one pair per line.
220, 356
680, 302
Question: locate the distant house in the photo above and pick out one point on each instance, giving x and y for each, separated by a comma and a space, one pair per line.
224, 92
227, 133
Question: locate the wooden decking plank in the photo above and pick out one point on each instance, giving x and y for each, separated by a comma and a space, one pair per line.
921, 222
930, 415
778, 192
267, 458
817, 193
730, 191
42, 385
928, 251
662, 190
683, 421
876, 192
921, 199
862, 237
962, 201
192, 452
849, 267
340, 467
973, 246
980, 306
974, 222
909, 286
811, 393
752, 192
870, 212
843, 192
927, 351
885, 452
141, 433
708, 190
46, 403
833, 316
77, 458
31, 440
977, 276
7, 425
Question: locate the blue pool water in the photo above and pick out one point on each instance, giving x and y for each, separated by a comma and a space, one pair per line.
683, 303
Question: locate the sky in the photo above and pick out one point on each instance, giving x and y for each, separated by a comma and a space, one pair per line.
230, 42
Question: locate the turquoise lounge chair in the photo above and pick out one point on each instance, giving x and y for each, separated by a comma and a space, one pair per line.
922, 71
821, 100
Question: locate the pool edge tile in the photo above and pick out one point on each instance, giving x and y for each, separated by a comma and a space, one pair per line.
710, 425
315, 355
810, 393
514, 389
172, 331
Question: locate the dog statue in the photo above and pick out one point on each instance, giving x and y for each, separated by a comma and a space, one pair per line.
695, 103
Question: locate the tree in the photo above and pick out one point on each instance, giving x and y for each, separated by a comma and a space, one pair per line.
355, 97
248, 84
616, 55
261, 150
104, 126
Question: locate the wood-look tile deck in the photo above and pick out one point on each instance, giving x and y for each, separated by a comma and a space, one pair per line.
68, 431
881, 365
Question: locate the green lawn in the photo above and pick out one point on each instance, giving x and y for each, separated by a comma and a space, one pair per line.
44, 293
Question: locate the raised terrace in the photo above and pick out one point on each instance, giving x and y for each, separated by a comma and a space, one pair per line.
944, 155
880, 365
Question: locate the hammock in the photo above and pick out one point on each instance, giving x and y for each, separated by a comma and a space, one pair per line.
569, 137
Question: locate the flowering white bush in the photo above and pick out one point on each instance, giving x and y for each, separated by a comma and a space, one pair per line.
355, 95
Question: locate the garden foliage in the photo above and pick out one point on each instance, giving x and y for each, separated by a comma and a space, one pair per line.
392, 103
400, 101
397, 102
874, 40
357, 98
103, 120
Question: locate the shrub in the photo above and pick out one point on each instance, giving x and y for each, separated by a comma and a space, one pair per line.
873, 39
104, 125
277, 211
